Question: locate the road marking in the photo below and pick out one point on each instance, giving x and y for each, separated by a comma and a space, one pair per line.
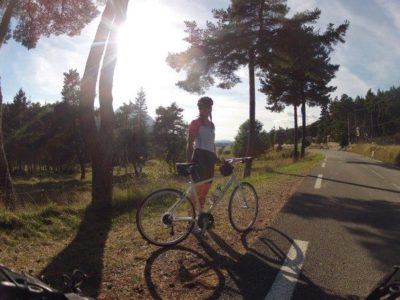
285, 281
377, 174
396, 186
323, 165
318, 182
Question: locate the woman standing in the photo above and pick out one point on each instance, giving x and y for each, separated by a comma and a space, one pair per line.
201, 147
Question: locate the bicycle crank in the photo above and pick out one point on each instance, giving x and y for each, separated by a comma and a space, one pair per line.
205, 221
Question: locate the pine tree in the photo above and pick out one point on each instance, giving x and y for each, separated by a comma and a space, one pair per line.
70, 96
34, 19
140, 132
300, 69
241, 36
324, 124
169, 134
99, 142
7, 196
260, 141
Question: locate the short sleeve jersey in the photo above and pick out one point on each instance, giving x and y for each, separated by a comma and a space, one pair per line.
204, 135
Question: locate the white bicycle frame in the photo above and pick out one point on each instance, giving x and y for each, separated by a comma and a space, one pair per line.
191, 190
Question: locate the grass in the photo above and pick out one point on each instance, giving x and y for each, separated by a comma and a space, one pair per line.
388, 153
50, 221
60, 214
59, 229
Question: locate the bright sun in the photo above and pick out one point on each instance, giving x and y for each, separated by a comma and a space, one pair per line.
150, 32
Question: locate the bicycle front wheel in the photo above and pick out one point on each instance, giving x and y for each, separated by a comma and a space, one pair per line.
243, 207
165, 217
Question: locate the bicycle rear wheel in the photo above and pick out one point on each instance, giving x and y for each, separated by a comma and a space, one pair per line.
165, 217
243, 207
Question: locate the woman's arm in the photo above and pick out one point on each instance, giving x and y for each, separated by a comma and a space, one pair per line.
189, 147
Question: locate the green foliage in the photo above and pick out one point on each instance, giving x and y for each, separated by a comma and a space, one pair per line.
50, 221
132, 133
343, 142
241, 139
9, 220
71, 88
219, 50
299, 70
169, 134
389, 153
44, 18
374, 117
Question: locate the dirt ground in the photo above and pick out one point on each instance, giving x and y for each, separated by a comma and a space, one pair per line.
196, 268
121, 265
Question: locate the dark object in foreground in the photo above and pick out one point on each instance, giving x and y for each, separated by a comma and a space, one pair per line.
23, 286
388, 287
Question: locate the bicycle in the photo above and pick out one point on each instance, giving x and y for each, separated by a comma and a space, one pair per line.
167, 216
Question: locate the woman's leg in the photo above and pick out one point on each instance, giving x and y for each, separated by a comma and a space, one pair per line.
202, 191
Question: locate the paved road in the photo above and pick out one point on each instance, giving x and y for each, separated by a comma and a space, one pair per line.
334, 239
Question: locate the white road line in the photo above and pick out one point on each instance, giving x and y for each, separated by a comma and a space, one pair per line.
377, 174
396, 186
285, 281
323, 165
318, 182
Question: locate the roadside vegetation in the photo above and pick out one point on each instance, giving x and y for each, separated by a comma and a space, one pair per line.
386, 153
65, 233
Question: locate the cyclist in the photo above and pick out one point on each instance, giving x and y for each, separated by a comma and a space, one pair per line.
201, 146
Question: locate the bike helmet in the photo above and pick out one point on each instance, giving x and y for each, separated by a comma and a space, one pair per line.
205, 102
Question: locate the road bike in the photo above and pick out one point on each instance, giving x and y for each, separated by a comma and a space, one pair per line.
167, 216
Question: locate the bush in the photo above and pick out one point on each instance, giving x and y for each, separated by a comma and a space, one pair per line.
9, 221
307, 143
343, 141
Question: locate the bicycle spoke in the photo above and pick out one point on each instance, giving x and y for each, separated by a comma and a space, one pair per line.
243, 207
165, 217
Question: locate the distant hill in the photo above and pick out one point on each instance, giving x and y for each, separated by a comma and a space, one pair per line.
223, 142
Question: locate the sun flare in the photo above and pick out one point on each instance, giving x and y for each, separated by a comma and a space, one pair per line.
150, 32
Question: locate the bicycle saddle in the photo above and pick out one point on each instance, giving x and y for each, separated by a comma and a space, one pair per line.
184, 169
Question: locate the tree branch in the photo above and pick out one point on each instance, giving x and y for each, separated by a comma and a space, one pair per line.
5, 22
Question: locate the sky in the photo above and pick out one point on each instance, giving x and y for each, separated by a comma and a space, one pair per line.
370, 59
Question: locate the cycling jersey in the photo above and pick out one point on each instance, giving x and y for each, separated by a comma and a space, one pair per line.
204, 135
203, 154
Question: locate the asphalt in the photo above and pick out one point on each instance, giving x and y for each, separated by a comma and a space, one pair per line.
350, 226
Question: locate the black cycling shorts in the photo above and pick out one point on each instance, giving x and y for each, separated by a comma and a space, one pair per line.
205, 161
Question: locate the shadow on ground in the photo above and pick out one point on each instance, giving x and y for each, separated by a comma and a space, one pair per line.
215, 270
85, 252
342, 182
374, 222
382, 165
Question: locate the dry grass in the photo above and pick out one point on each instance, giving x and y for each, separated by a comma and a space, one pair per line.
120, 264
388, 153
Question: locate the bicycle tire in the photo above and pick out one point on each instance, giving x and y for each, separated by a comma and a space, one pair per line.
152, 210
240, 211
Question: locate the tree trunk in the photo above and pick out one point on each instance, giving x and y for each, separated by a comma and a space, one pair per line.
7, 194
296, 135
100, 142
5, 21
303, 127
6, 186
252, 113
